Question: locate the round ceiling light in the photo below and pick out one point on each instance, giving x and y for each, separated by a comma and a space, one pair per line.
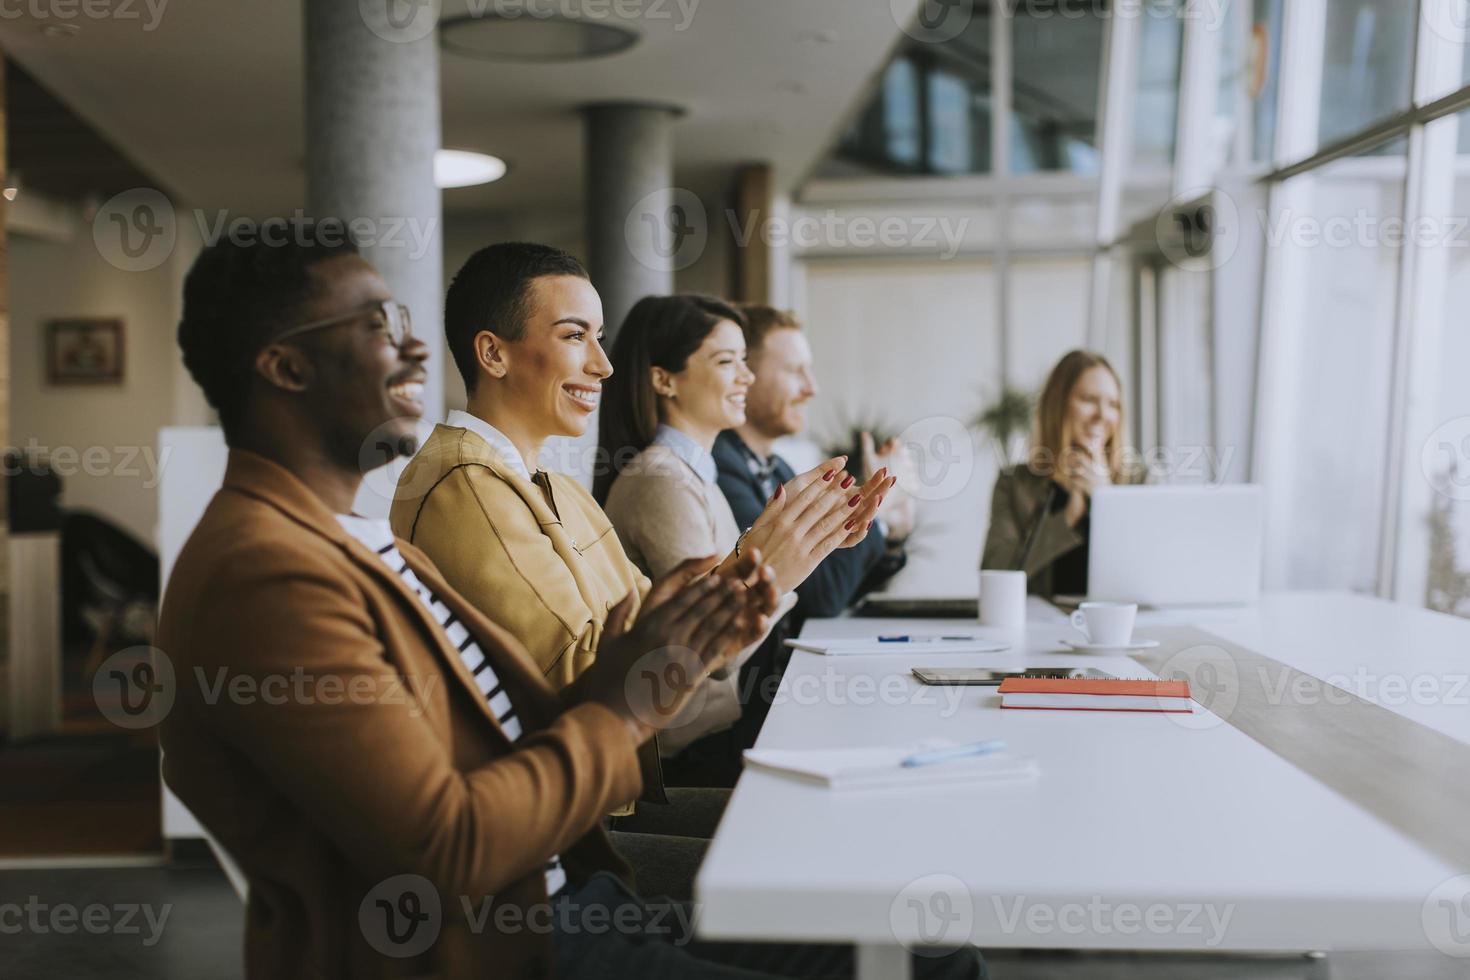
464, 168
526, 37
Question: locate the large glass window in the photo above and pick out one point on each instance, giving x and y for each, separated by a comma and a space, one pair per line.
1156, 100
931, 113
1368, 64
1057, 66
1436, 531
1264, 67
1342, 226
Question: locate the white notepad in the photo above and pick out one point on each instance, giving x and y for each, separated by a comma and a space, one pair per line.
880, 768
870, 646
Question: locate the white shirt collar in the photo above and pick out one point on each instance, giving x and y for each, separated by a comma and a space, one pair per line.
691, 452
496, 439
373, 532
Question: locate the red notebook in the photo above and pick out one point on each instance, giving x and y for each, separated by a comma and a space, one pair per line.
1082, 694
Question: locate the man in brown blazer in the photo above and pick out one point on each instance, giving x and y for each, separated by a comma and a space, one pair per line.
404, 793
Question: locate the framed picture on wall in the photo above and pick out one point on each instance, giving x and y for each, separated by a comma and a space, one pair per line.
84, 351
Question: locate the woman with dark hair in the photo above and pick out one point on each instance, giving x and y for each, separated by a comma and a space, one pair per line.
1039, 510
679, 379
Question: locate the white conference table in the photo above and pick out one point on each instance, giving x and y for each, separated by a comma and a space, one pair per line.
1143, 831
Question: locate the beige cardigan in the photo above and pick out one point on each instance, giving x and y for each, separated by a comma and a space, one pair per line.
665, 513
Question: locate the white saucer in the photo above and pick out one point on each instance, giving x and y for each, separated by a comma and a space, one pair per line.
1081, 647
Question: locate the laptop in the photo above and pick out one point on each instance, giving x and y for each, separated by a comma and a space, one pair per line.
885, 606
1176, 545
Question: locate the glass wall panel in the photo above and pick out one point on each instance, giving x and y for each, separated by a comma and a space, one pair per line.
931, 113
1449, 67
1439, 536
1264, 67
1156, 99
1057, 59
1342, 226
1368, 60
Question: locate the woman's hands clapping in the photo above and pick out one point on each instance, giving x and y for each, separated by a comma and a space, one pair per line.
813, 515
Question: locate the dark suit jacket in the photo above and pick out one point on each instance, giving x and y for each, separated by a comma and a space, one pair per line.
843, 577
391, 764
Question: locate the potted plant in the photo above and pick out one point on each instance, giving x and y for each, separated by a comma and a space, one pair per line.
1007, 421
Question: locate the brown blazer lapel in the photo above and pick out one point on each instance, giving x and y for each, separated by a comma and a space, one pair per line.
262, 478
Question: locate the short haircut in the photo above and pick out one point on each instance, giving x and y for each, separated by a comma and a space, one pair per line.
238, 295
762, 320
492, 292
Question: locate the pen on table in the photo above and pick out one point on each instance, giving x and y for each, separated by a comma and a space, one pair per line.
924, 639
953, 752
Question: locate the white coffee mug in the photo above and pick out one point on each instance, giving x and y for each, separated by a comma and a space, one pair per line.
1105, 624
1003, 599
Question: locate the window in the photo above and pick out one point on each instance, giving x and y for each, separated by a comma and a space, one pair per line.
1264, 67
1434, 534
1156, 100
1336, 231
1368, 61
1057, 59
931, 114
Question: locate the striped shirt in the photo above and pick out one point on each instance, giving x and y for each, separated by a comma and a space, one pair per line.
378, 537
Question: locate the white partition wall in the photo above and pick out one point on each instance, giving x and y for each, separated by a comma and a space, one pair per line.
196, 468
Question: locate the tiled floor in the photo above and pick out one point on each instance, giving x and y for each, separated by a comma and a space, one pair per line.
200, 938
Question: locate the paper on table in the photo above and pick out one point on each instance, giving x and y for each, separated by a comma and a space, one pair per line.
878, 768
868, 646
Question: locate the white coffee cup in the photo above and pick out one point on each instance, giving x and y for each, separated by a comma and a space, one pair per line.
1105, 624
1003, 599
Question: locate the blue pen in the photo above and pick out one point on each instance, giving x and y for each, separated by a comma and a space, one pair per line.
953, 752
925, 639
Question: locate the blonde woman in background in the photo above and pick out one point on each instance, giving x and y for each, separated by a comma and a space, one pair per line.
1039, 512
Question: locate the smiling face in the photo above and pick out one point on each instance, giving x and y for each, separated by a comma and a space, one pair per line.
776, 405
1094, 407
553, 375
362, 384
711, 390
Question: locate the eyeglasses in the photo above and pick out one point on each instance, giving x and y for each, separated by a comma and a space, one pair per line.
391, 317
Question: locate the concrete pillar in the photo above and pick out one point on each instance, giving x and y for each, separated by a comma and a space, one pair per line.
640, 228
372, 128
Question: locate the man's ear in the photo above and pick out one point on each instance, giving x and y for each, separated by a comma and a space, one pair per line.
491, 354
285, 367
663, 382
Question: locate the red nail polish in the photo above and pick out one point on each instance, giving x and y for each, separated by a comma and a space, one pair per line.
854, 501
880, 501
780, 489
867, 525
847, 526
847, 482
828, 475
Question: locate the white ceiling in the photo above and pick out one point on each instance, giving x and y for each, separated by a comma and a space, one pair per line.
210, 101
